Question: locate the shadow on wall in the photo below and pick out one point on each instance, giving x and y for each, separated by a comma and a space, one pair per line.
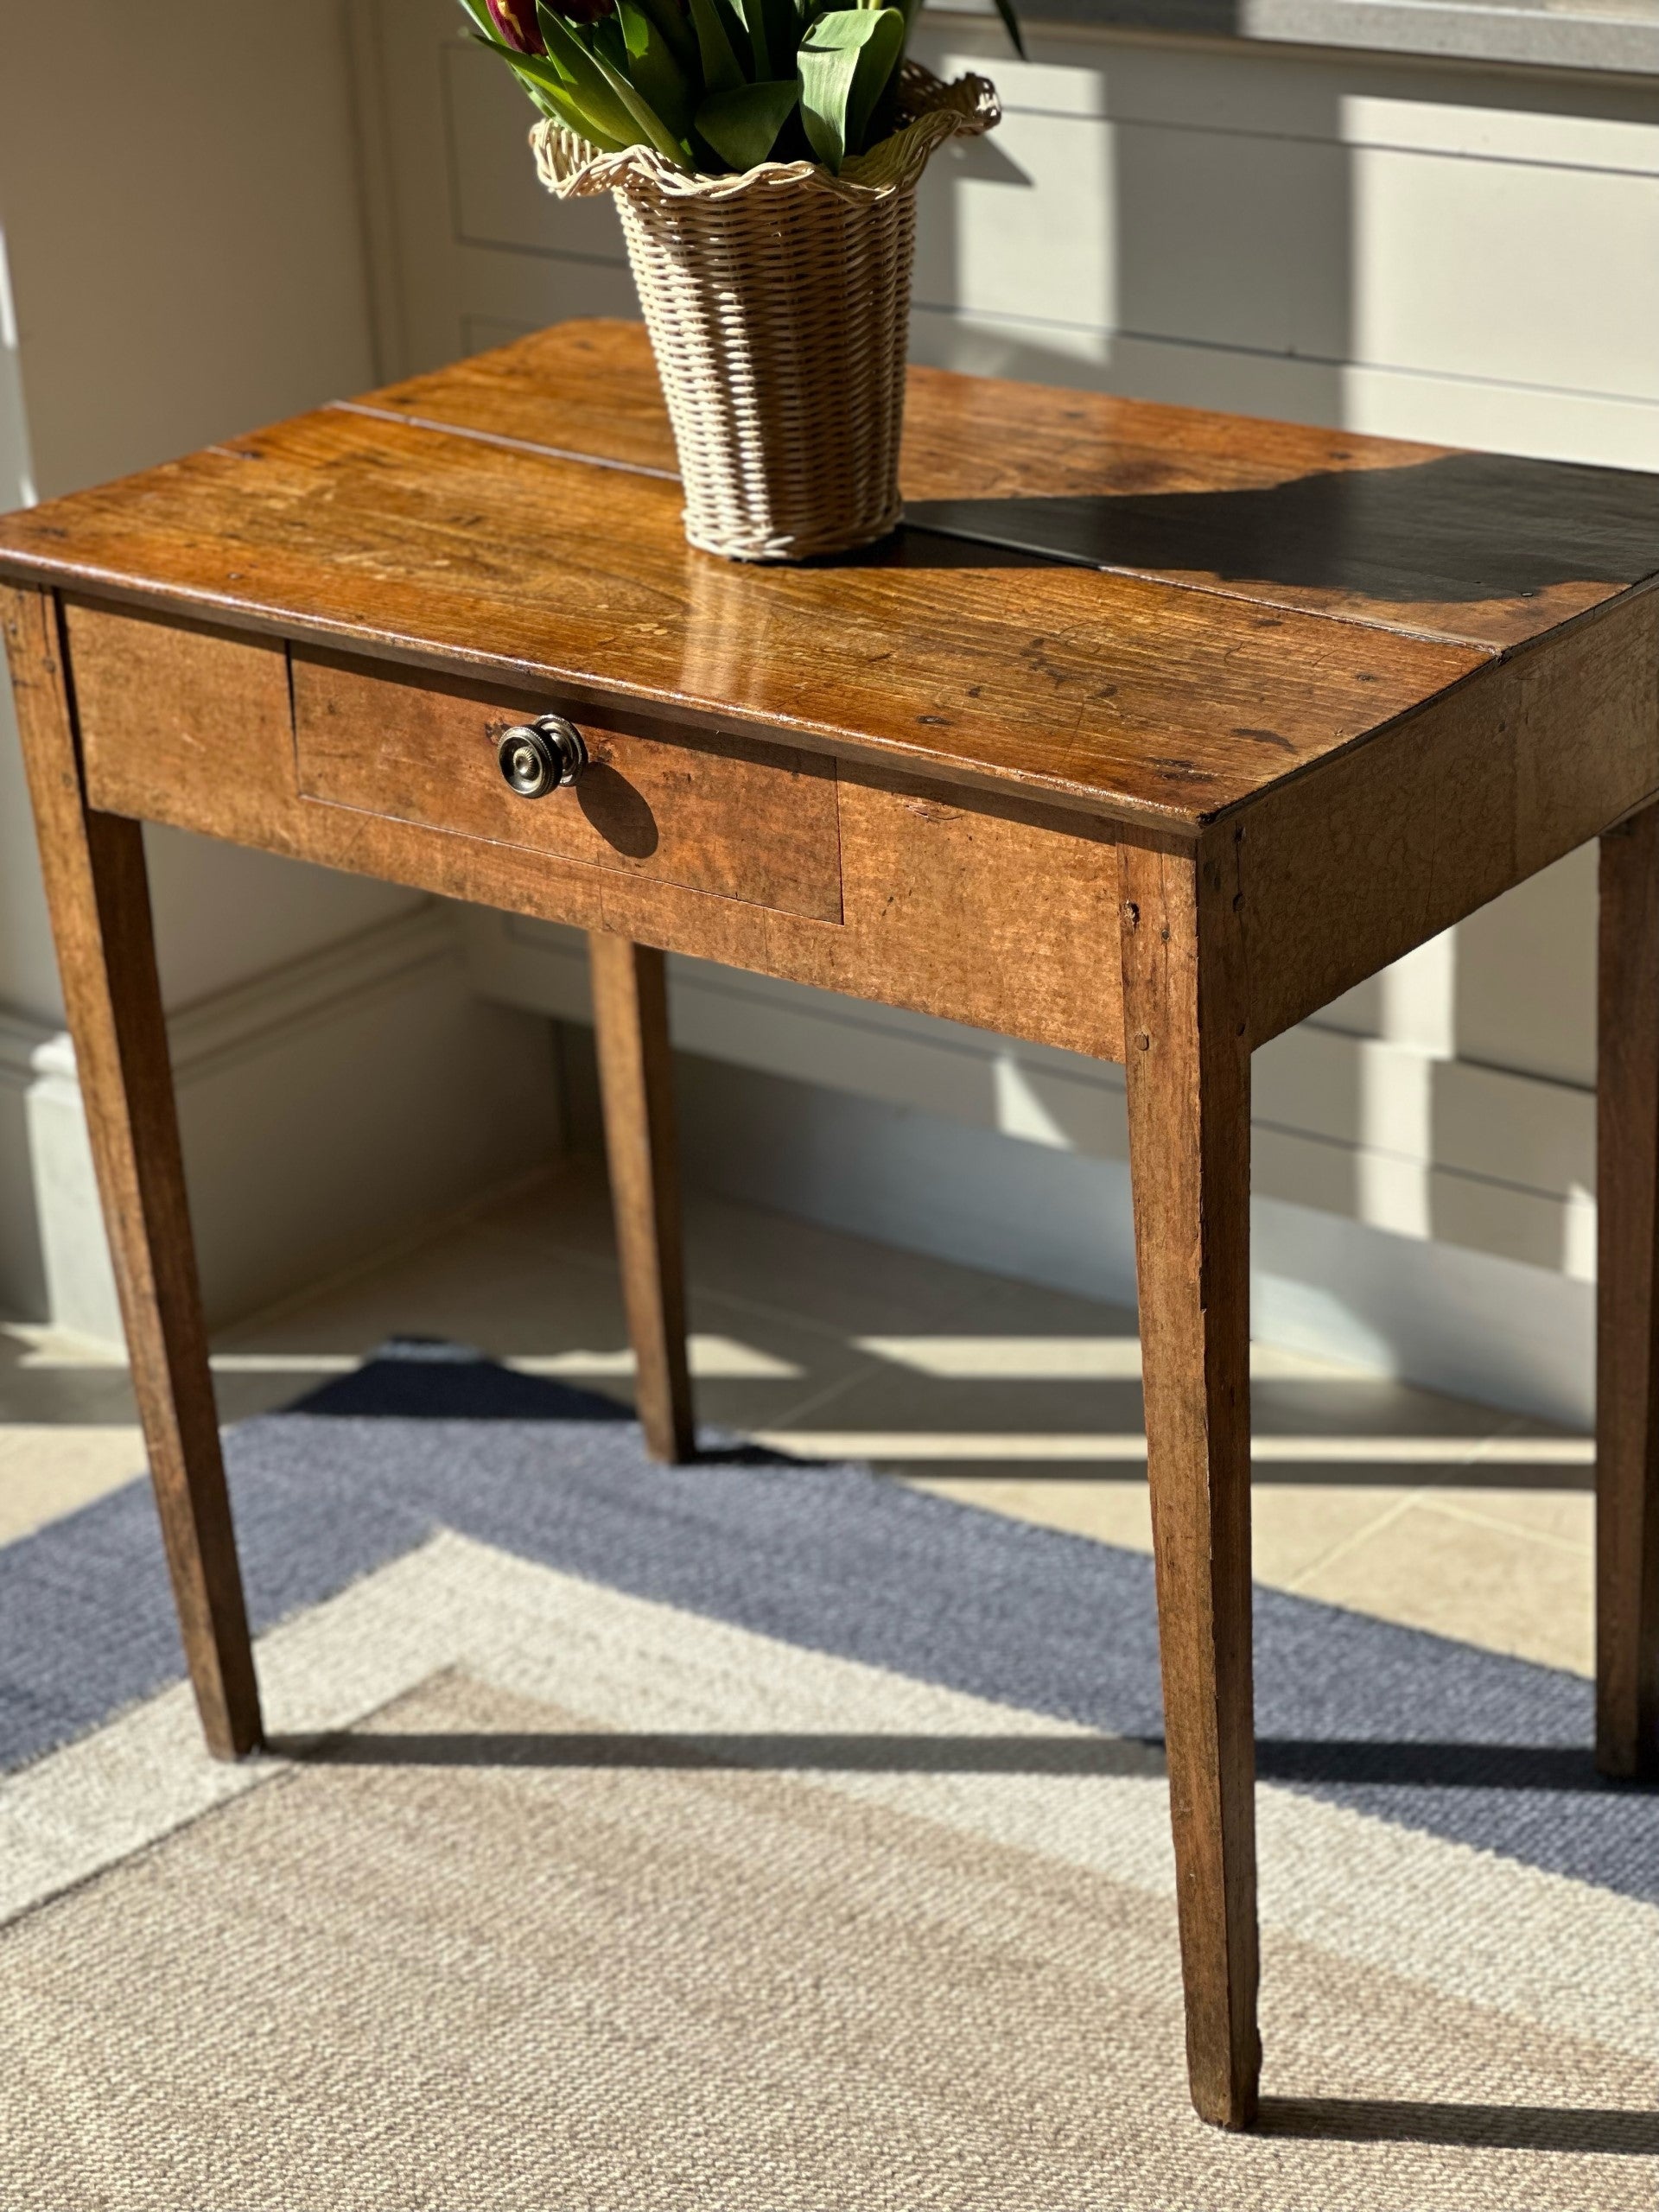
1180, 225
1209, 265
1206, 256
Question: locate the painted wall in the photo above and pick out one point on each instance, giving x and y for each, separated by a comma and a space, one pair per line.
1434, 250
184, 233
187, 261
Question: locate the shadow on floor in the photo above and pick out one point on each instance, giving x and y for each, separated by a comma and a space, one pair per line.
1547, 1767
1489, 2127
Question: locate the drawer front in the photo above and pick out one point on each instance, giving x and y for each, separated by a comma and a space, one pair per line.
743, 820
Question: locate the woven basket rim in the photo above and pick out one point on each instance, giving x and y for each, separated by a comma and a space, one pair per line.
572, 170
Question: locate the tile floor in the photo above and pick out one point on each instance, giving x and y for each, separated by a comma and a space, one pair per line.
1369, 1493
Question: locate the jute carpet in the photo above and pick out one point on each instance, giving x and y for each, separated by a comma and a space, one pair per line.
753, 1835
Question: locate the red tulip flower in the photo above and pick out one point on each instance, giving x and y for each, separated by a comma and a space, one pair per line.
516, 21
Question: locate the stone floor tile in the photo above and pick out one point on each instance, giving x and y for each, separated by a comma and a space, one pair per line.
1431, 1568
1560, 1516
822, 1276
49, 1471
521, 1300
1368, 1493
1110, 1512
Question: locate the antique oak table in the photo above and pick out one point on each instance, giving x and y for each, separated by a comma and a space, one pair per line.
1151, 732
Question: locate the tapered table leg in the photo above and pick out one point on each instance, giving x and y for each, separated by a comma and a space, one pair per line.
1188, 1071
1627, 1304
636, 1085
100, 897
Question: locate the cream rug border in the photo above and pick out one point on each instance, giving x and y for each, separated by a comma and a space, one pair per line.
1467, 1922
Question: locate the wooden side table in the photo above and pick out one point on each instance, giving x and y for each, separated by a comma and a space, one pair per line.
1151, 733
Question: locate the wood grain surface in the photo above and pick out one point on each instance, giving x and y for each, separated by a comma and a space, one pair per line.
636, 1075
727, 815
1188, 1070
1627, 1304
988, 909
587, 388
1135, 697
99, 896
1347, 869
1151, 733
1484, 547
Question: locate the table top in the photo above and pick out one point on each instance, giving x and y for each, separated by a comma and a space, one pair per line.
1152, 612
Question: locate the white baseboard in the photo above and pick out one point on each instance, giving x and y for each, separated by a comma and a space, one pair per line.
323, 1109
1455, 1320
23, 1100
1421, 1214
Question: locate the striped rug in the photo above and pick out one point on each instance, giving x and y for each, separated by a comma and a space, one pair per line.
756, 1834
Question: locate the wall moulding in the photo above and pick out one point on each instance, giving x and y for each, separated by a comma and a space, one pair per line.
325, 1107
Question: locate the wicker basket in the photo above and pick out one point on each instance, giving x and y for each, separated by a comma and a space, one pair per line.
778, 303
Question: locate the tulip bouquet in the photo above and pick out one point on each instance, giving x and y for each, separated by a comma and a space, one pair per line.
714, 86
764, 157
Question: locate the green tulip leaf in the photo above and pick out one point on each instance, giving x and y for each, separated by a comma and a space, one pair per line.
563, 107
656, 131
737, 37
651, 65
530, 64
677, 34
607, 40
877, 65
845, 60
752, 18
722, 70
1011, 24
785, 20
560, 103
564, 50
774, 31
742, 125
578, 73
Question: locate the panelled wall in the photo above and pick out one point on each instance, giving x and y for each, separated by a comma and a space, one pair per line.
1427, 249
1438, 250
1434, 251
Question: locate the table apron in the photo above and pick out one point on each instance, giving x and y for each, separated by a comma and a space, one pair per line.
1350, 867
999, 913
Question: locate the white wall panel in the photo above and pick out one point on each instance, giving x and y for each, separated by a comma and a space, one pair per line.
1425, 251
987, 241
186, 239
323, 1109
1438, 251
1231, 238
497, 198
182, 206
1517, 273
1526, 976
479, 251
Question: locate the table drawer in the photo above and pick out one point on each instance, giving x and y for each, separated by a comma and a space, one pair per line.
727, 815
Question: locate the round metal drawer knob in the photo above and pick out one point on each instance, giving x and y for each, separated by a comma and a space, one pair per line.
537, 757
